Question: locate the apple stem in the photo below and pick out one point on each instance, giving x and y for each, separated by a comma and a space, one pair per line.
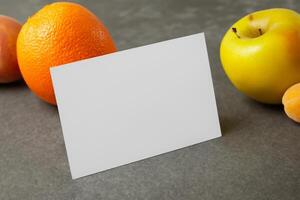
260, 31
235, 31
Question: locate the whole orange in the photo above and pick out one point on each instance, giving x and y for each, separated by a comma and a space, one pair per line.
59, 33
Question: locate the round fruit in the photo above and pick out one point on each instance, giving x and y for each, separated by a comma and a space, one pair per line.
59, 33
291, 102
9, 30
261, 54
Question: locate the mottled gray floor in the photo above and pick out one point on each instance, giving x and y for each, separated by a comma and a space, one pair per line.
258, 157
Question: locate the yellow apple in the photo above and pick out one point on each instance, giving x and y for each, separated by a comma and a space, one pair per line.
261, 54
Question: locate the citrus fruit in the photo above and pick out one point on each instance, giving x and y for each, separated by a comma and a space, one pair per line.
9, 69
57, 34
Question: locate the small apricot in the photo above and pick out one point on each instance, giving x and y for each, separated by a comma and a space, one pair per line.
291, 102
9, 30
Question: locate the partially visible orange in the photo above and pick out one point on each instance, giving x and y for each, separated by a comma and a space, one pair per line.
59, 33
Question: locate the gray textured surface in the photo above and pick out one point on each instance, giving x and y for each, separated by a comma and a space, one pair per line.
258, 157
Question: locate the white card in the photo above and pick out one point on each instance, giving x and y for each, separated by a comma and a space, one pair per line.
135, 104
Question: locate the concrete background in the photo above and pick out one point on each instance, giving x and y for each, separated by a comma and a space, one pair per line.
258, 157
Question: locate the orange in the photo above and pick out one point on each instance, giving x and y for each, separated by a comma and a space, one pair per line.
57, 34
